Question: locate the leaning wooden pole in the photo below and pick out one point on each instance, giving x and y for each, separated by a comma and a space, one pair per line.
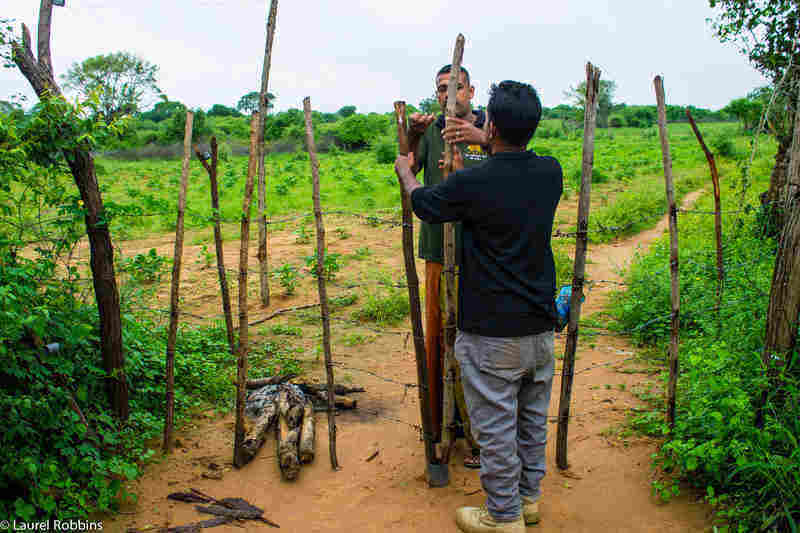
239, 458
412, 280
673, 251
717, 217
323, 294
174, 303
263, 259
223, 279
448, 402
568, 367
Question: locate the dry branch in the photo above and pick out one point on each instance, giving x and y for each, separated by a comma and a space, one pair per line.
258, 432
323, 295
717, 216
223, 280
241, 365
287, 437
673, 261
584, 202
272, 380
307, 434
412, 281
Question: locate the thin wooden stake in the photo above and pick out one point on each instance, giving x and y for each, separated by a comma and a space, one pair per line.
717, 217
412, 280
673, 251
581, 243
239, 458
169, 422
449, 242
223, 279
323, 294
263, 259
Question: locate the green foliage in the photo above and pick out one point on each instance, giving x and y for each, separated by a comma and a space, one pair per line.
248, 103
384, 308
287, 277
176, 126
120, 80
219, 110
385, 150
430, 105
724, 146
346, 111
285, 329
357, 131
302, 235
750, 475
205, 258
331, 266
145, 268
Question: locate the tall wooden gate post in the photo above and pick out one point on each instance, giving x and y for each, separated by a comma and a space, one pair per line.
323, 293
412, 280
174, 302
448, 407
658, 82
239, 458
568, 367
263, 259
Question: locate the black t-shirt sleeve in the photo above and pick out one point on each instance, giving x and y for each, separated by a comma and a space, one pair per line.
445, 202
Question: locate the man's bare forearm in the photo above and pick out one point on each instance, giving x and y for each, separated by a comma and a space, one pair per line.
406, 176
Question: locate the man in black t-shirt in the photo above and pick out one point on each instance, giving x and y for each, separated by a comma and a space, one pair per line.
504, 344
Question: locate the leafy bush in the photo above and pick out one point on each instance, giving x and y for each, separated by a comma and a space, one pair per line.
724, 146
385, 150
750, 475
384, 308
287, 276
329, 269
145, 268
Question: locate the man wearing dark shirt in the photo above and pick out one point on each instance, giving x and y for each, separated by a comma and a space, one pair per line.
504, 344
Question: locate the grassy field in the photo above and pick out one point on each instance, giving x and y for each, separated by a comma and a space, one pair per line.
627, 172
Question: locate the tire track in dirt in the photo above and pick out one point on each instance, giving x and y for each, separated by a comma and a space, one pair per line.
607, 488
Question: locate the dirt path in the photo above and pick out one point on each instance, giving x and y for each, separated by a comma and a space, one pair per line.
607, 488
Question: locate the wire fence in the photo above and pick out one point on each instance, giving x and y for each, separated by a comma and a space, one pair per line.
590, 328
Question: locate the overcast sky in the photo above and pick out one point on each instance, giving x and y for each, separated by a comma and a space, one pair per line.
370, 53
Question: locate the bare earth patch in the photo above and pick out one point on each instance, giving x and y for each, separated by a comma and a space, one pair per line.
607, 488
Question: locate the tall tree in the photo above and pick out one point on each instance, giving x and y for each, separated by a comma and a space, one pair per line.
122, 81
39, 72
605, 99
766, 31
249, 103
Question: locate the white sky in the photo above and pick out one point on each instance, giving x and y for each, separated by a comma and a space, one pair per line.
370, 53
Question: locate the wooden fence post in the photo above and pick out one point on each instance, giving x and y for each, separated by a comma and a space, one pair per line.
581, 241
323, 294
223, 279
174, 304
673, 254
412, 280
239, 459
717, 217
448, 402
263, 259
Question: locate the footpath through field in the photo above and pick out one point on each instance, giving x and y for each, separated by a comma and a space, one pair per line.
607, 489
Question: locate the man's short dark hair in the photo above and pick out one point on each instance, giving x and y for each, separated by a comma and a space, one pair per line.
446, 70
515, 110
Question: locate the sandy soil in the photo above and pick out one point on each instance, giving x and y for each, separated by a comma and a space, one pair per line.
606, 489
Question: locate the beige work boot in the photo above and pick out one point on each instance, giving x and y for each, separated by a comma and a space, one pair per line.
478, 520
530, 510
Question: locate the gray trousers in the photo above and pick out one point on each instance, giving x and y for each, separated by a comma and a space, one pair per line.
507, 382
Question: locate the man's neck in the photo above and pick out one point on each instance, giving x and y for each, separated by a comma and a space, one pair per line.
498, 146
470, 116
